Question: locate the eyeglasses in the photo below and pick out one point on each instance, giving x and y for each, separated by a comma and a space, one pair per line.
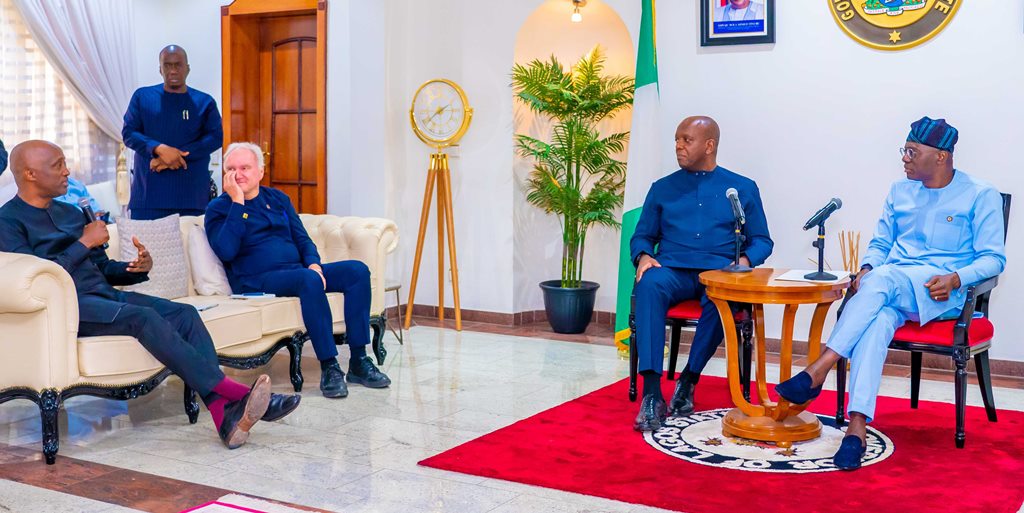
908, 152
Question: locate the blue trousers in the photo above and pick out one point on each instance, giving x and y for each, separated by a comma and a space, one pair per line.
884, 302
149, 214
351, 278
658, 290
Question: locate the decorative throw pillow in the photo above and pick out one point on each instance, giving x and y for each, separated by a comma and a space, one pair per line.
208, 274
169, 277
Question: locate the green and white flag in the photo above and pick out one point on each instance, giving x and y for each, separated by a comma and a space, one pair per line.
644, 164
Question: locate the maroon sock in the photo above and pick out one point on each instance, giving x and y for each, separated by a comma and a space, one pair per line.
231, 389
216, 408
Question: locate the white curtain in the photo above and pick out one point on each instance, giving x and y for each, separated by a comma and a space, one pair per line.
35, 103
91, 45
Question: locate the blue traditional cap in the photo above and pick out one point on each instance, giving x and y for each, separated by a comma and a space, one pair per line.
3, 158
933, 132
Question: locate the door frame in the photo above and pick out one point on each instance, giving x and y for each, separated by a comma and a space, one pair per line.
232, 16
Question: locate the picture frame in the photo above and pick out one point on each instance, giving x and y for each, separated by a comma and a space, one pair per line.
722, 24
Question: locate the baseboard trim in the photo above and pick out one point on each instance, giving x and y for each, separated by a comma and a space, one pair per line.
501, 319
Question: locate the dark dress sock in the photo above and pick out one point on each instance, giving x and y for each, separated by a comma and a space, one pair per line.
652, 384
358, 352
324, 364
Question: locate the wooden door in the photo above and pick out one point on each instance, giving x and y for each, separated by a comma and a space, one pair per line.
288, 108
274, 68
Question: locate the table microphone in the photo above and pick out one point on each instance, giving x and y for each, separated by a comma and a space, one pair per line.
821, 215
737, 207
90, 214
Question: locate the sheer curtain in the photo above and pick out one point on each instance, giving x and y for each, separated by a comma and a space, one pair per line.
91, 46
36, 104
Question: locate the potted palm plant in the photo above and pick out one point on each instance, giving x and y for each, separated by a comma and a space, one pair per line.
575, 175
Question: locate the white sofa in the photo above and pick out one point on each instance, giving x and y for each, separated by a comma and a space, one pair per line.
45, 360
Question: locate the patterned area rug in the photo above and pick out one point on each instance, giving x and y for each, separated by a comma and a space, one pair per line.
588, 446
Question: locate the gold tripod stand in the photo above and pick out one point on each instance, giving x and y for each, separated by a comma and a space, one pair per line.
439, 174
440, 116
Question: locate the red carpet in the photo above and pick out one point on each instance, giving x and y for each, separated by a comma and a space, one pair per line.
588, 446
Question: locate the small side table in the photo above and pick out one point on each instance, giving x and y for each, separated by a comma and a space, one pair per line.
395, 286
769, 421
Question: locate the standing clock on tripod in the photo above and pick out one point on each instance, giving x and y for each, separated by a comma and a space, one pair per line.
440, 116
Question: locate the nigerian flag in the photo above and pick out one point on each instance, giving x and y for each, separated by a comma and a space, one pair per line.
644, 164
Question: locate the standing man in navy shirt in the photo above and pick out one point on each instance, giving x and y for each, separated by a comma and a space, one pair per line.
686, 227
173, 129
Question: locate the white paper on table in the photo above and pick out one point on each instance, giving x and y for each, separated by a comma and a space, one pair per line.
798, 275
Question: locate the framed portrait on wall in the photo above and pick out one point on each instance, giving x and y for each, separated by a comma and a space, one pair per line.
737, 22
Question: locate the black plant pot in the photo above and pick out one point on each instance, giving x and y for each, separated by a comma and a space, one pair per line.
569, 309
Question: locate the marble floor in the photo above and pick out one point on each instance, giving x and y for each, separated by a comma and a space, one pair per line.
356, 454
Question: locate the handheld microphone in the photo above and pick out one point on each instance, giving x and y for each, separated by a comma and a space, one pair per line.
90, 214
737, 208
821, 215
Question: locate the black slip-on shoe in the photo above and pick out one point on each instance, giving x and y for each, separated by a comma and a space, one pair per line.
332, 382
652, 414
280, 406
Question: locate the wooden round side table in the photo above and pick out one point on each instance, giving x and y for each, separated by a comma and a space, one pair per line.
769, 421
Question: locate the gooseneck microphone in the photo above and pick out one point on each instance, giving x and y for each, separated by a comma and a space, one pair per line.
90, 214
737, 207
821, 215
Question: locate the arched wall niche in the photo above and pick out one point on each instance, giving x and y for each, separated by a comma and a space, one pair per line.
548, 31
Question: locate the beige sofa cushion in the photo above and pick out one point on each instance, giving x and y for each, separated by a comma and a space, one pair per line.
230, 323
285, 313
113, 355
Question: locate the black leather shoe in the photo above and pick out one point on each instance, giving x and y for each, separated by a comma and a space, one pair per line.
280, 406
797, 389
365, 373
682, 399
332, 382
850, 453
239, 416
652, 414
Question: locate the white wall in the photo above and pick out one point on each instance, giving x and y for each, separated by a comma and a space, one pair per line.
355, 85
474, 45
817, 115
195, 26
814, 116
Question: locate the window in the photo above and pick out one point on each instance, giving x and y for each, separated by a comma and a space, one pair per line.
35, 104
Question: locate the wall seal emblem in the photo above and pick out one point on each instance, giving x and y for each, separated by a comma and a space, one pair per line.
893, 24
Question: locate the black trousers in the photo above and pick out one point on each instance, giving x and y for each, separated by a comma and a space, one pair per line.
172, 332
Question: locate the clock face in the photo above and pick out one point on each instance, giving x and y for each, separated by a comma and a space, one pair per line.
439, 112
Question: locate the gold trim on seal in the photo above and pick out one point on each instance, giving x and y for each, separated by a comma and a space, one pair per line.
891, 39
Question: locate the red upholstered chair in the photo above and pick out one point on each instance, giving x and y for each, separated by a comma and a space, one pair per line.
688, 313
961, 339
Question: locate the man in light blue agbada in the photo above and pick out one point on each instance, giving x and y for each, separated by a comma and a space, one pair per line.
941, 230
